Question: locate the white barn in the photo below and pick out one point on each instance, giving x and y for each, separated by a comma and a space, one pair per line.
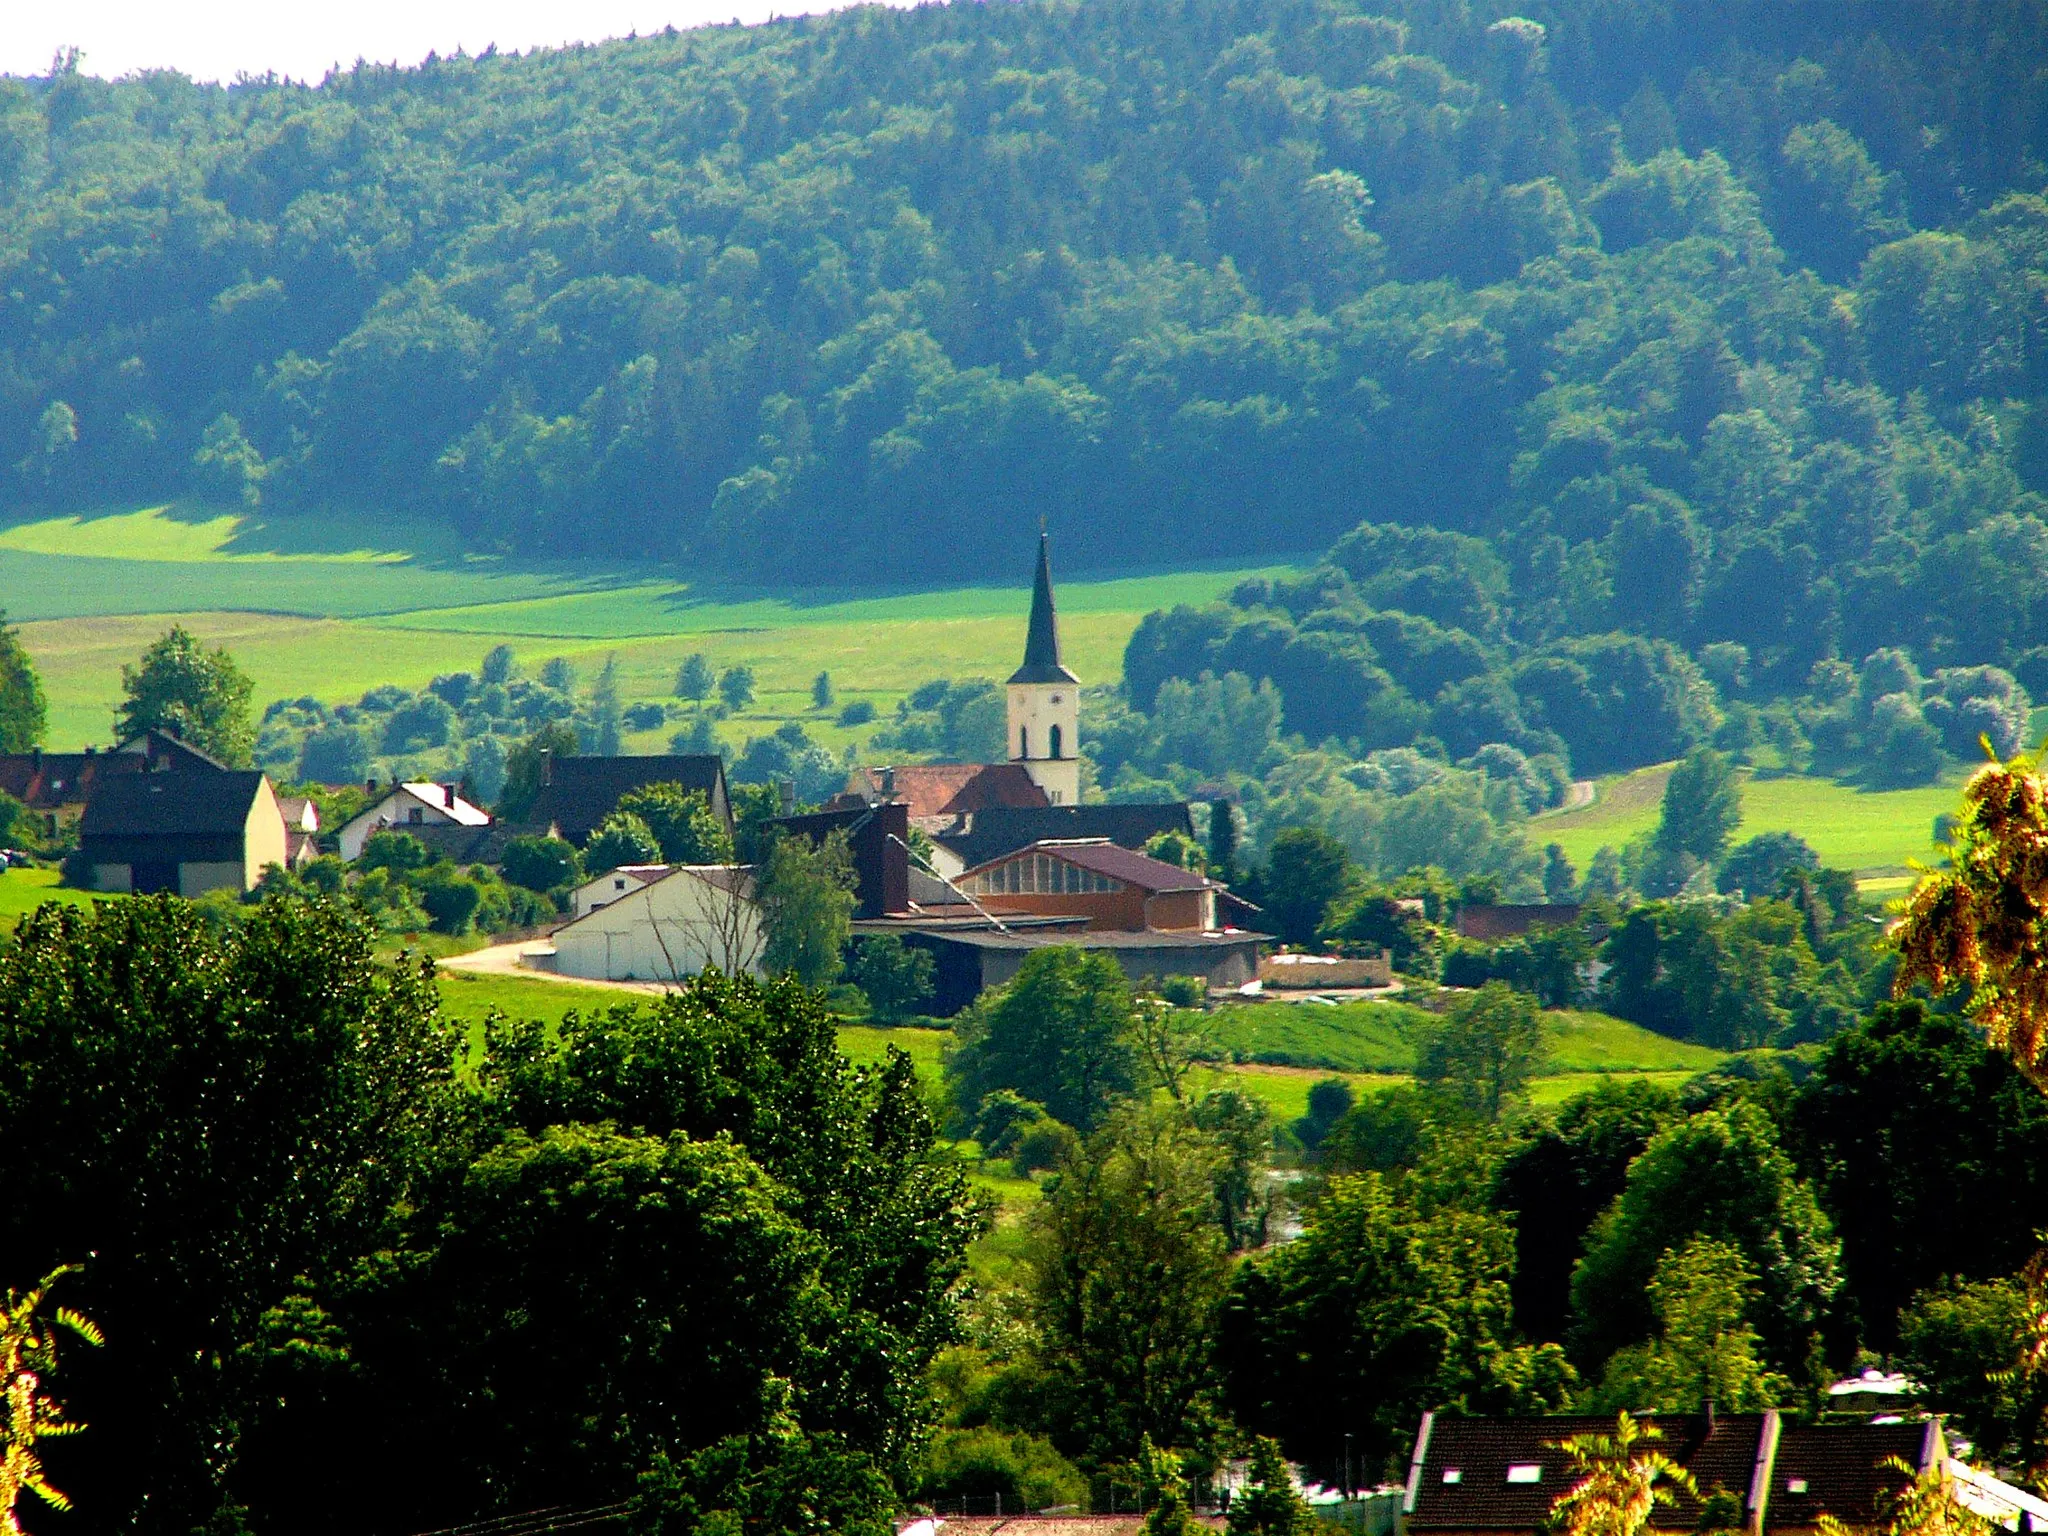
694, 917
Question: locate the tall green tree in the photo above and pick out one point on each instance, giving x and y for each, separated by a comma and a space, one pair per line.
24, 716
694, 678
1720, 1174
1125, 1268
806, 892
239, 1107
1486, 1049
1062, 1033
525, 763
1705, 1350
197, 695
1702, 806
1381, 1309
1306, 872
682, 823
607, 714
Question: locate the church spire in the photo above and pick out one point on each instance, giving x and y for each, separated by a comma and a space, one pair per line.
1042, 640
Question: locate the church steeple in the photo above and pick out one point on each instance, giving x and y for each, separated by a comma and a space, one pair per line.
1045, 699
1042, 640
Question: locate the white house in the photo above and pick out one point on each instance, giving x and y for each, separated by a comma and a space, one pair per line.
410, 805
693, 917
613, 885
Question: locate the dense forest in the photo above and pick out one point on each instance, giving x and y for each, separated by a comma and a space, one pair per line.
1715, 322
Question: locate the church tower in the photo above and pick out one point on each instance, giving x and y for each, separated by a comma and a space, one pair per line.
1045, 700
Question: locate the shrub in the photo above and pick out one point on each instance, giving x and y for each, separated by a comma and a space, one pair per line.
621, 838
896, 979
399, 852
541, 863
857, 712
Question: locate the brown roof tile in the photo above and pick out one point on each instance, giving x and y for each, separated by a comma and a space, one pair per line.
948, 789
1106, 858
1480, 1452
1836, 1469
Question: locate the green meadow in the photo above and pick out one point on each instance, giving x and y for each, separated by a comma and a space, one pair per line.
335, 619
1875, 832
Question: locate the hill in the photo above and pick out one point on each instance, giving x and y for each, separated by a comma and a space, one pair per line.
1726, 314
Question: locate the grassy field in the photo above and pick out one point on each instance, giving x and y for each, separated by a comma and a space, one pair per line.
1871, 831
90, 594
1379, 1038
23, 890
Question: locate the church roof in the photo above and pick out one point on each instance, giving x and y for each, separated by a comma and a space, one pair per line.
948, 789
1042, 641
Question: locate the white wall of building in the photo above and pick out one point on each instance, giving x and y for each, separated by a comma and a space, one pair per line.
674, 928
1042, 716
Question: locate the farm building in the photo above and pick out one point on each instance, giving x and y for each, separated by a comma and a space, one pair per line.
613, 885
185, 832
694, 917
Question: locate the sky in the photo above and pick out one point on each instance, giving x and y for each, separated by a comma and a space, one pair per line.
219, 39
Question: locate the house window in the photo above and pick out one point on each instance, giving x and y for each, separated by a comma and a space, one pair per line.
1056, 743
618, 885
1023, 741
415, 816
1525, 1472
1453, 1475
1039, 874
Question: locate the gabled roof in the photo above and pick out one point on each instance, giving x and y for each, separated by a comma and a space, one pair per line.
461, 844
444, 799
163, 750
46, 781
1836, 1469
992, 832
579, 792
1106, 858
734, 879
1042, 639
951, 789
170, 804
1459, 1479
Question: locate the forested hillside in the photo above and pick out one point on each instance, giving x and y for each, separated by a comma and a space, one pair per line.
1718, 320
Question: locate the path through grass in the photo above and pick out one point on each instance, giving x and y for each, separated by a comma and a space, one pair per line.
1873, 831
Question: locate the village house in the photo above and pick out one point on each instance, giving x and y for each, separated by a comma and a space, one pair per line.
577, 793
56, 785
189, 833
408, 808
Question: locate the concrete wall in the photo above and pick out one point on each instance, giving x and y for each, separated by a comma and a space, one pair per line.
198, 879
113, 877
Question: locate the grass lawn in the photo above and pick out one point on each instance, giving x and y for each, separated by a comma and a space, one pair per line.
23, 890
334, 623
1379, 1038
1875, 831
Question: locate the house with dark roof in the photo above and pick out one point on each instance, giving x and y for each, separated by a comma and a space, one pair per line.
576, 793
56, 785
189, 833
937, 794
1500, 1477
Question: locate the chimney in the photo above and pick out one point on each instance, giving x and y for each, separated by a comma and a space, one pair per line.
369, 786
788, 789
448, 796
889, 783
35, 757
547, 765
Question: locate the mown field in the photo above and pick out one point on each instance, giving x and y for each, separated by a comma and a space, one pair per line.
334, 621
1875, 832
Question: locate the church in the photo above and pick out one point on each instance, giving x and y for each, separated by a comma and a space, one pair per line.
1011, 860
975, 812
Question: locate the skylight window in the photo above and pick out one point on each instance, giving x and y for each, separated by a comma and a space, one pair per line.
1795, 1485
1453, 1475
1525, 1472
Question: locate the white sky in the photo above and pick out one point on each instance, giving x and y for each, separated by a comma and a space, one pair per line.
217, 39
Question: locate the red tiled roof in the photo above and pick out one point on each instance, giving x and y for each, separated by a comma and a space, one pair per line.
1107, 858
1495, 920
948, 789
